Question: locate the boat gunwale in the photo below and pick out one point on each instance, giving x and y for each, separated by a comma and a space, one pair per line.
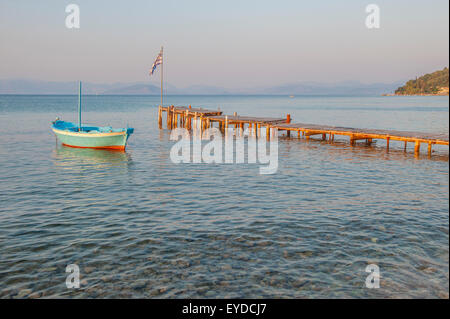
115, 148
82, 134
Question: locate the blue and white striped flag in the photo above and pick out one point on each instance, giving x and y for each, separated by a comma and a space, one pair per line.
157, 62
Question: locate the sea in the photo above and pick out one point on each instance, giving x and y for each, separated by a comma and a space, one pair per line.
334, 221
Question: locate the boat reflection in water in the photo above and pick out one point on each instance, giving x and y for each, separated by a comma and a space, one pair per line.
73, 158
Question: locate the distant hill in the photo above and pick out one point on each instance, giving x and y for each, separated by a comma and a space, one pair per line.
25, 86
435, 83
150, 89
137, 89
338, 88
205, 90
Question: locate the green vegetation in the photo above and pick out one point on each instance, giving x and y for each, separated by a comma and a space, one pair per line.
433, 83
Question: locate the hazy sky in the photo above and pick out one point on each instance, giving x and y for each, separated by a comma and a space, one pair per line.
225, 43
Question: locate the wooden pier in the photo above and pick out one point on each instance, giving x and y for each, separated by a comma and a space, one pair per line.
368, 135
183, 116
254, 123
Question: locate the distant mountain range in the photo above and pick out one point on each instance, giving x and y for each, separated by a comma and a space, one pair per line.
22, 86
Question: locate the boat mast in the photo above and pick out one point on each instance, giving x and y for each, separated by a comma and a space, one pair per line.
162, 63
79, 106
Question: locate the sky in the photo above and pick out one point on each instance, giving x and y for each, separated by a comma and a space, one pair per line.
233, 44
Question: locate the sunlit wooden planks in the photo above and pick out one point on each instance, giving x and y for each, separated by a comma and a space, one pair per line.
183, 116
367, 134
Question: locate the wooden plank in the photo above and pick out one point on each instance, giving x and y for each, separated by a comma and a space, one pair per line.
183, 109
245, 119
367, 133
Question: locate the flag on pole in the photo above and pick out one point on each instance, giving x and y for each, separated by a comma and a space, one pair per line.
157, 62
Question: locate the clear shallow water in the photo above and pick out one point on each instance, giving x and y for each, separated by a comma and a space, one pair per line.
140, 226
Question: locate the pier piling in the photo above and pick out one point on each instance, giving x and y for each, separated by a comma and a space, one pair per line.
160, 117
288, 120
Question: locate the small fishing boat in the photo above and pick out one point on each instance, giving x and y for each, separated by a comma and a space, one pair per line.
87, 136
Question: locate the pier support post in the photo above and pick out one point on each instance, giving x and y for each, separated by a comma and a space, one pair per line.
404, 149
387, 144
226, 125
160, 117
429, 149
174, 124
168, 118
288, 120
195, 122
324, 137
201, 125
268, 132
417, 148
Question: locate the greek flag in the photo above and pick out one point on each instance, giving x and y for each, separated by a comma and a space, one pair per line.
157, 62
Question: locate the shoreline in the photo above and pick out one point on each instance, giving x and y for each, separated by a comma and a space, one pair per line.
419, 94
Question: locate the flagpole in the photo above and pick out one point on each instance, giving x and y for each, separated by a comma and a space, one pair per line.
162, 64
79, 106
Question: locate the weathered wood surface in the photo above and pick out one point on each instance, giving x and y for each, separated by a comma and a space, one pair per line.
183, 109
186, 116
236, 119
357, 133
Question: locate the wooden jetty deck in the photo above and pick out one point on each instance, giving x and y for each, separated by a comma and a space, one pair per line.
182, 116
368, 135
239, 122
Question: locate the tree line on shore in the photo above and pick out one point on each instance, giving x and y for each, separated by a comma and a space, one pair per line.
432, 83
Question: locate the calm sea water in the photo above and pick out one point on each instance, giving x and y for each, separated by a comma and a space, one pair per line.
140, 226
